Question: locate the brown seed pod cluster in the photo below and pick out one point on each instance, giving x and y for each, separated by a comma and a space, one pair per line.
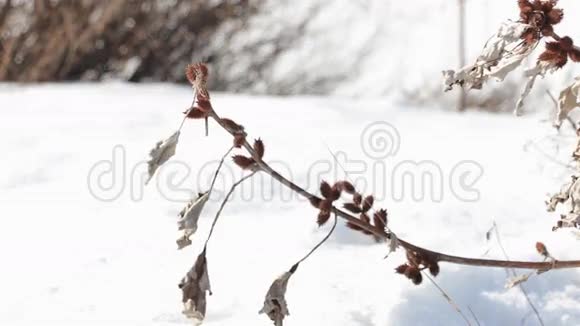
249, 163
362, 206
359, 205
416, 262
197, 74
330, 194
558, 52
541, 15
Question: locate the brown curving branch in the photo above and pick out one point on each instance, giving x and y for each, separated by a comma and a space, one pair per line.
436, 256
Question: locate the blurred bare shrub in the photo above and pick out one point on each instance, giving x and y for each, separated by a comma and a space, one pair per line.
45, 40
493, 99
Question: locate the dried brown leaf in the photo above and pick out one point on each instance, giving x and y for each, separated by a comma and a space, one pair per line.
188, 218
275, 305
161, 153
568, 100
194, 287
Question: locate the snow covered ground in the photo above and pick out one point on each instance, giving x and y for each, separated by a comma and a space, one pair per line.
76, 253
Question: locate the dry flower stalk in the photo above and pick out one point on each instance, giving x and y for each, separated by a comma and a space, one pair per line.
196, 283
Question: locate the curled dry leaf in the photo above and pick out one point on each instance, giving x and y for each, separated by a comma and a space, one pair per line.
517, 280
161, 153
194, 286
188, 218
502, 54
569, 100
275, 305
561, 196
259, 148
569, 194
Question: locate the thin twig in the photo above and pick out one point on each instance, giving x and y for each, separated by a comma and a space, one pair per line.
223, 204
217, 171
514, 274
190, 108
320, 243
448, 298
474, 316
380, 233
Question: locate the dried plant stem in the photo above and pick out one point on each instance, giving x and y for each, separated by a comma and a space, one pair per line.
474, 316
217, 171
223, 204
190, 108
320, 243
448, 298
380, 233
514, 274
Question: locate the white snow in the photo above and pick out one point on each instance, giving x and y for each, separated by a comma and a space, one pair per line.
69, 258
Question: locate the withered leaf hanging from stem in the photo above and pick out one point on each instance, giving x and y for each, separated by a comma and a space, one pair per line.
189, 217
194, 287
161, 153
